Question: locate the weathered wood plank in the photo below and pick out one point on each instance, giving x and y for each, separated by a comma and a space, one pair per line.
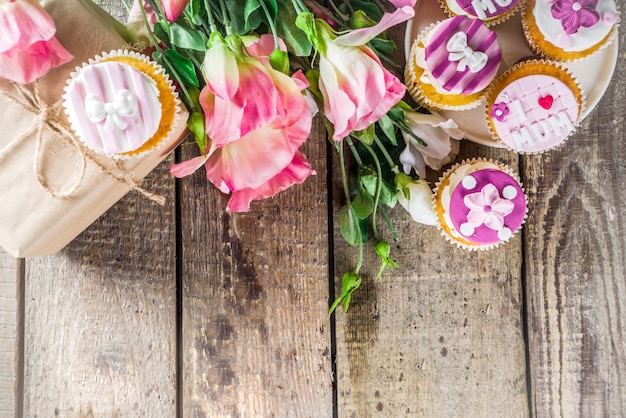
101, 315
256, 333
576, 265
440, 336
11, 336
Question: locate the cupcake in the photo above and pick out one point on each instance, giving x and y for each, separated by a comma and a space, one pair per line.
534, 106
121, 104
489, 11
567, 30
451, 63
479, 204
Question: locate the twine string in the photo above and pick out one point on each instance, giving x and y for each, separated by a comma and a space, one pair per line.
47, 117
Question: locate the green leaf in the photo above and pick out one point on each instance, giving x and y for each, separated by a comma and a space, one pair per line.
280, 61
161, 31
296, 40
183, 67
384, 46
187, 38
370, 8
195, 123
368, 179
367, 135
348, 225
386, 125
363, 205
388, 195
349, 283
396, 114
360, 19
383, 249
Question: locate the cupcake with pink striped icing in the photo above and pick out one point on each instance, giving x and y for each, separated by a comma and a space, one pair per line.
452, 63
121, 104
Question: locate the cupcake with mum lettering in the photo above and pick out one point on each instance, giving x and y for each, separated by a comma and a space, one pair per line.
490, 11
451, 64
479, 204
121, 104
534, 106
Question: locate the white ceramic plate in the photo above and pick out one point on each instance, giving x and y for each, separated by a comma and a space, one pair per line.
593, 73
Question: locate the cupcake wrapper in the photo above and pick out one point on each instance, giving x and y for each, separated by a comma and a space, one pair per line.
445, 229
170, 103
536, 67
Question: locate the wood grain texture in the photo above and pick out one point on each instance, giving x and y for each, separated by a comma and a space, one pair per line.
11, 335
256, 333
576, 265
440, 336
101, 315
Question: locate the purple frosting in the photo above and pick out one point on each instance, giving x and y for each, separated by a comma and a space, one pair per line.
487, 9
487, 207
575, 13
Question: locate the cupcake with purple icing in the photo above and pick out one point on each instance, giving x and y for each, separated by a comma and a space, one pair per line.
567, 30
479, 204
452, 63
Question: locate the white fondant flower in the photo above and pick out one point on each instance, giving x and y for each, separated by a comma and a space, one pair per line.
488, 208
436, 132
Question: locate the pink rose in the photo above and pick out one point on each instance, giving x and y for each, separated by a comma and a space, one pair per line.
173, 8
256, 121
28, 47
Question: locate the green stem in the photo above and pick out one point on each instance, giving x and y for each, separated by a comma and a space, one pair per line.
209, 14
225, 18
357, 157
392, 163
404, 128
299, 6
329, 14
346, 190
344, 17
379, 185
270, 22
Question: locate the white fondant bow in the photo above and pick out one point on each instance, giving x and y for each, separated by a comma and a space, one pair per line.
466, 56
113, 113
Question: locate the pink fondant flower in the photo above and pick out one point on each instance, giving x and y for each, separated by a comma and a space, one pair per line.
357, 89
256, 121
575, 13
28, 47
487, 207
438, 134
499, 111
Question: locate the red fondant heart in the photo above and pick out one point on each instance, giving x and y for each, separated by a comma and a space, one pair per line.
546, 102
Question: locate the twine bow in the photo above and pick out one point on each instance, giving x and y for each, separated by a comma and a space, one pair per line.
47, 117
466, 56
112, 113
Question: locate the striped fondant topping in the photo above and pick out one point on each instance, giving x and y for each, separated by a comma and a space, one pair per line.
462, 55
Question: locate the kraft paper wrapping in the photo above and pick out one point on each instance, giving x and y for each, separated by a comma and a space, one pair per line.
39, 169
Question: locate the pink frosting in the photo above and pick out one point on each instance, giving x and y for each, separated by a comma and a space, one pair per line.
113, 107
466, 65
487, 207
486, 9
541, 111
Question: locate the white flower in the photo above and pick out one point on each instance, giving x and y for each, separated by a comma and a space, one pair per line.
419, 202
436, 132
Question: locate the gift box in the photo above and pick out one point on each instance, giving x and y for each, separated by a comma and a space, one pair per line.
51, 186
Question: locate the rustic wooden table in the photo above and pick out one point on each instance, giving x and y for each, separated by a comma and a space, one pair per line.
186, 310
